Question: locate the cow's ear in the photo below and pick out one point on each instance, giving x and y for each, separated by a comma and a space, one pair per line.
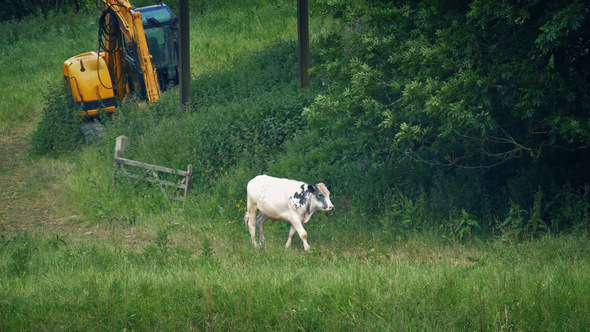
310, 188
329, 187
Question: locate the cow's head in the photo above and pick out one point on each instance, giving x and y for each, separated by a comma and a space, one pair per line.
320, 197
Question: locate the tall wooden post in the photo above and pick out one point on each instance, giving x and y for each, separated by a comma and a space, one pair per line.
303, 42
185, 61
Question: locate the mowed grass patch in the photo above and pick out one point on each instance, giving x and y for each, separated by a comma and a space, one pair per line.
218, 281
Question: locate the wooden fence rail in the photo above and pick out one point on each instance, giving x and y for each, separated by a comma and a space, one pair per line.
119, 169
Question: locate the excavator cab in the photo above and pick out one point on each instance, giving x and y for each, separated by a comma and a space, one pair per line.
161, 32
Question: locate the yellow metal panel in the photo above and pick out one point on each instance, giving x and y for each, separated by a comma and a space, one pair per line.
89, 79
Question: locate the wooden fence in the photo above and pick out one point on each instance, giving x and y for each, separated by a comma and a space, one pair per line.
119, 169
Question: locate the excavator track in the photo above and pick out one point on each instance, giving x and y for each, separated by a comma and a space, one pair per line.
93, 130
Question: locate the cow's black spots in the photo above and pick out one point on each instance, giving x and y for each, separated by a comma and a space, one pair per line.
300, 199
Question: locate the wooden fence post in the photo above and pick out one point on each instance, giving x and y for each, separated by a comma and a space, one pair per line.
187, 183
121, 145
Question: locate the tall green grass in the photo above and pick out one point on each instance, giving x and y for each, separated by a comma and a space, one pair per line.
188, 277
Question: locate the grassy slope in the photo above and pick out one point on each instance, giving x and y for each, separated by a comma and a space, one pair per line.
32, 53
198, 270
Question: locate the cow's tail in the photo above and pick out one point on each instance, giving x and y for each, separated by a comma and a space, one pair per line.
246, 218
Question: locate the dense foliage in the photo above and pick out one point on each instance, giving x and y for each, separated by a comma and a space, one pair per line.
467, 83
230, 119
472, 84
19, 9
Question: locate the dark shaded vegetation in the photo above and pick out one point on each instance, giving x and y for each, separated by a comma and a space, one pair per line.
494, 95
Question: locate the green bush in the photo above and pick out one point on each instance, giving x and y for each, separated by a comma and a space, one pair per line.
58, 131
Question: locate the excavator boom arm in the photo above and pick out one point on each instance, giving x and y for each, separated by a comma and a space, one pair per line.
131, 26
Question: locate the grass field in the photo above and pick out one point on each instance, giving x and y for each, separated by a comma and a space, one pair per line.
76, 255
175, 274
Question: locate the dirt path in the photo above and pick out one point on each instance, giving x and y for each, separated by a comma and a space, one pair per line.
25, 208
22, 208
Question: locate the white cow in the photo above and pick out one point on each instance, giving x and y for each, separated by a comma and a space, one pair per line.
284, 199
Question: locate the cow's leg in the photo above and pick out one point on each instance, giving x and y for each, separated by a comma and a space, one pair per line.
260, 223
252, 210
297, 227
290, 239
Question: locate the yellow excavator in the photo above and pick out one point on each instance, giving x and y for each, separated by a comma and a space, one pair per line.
138, 53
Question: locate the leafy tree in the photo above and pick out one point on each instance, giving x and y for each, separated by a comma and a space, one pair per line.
463, 83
